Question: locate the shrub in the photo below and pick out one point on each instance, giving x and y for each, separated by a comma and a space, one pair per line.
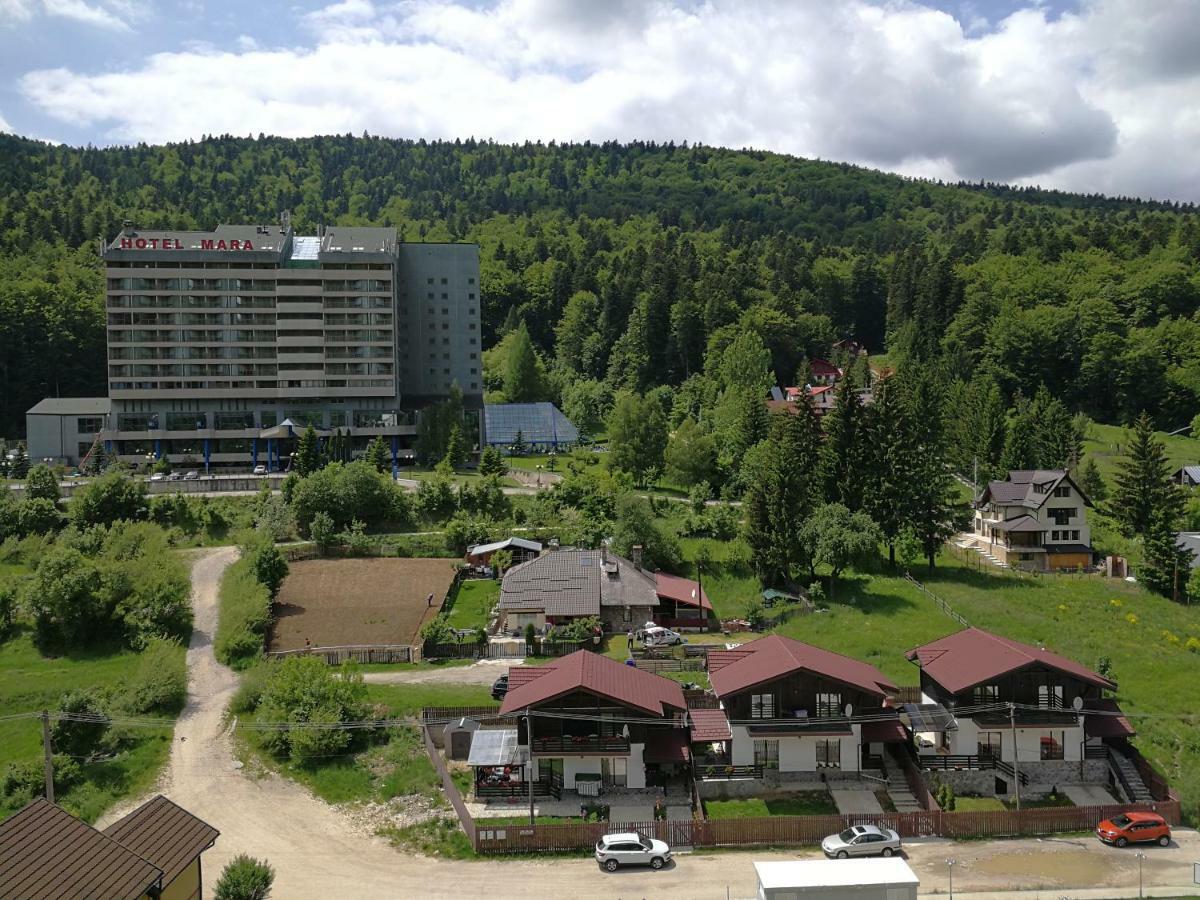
269, 567
438, 631
8, 608
37, 515
305, 691
159, 684
250, 690
157, 607
109, 498
245, 878
348, 491
321, 530
42, 484
245, 616
355, 539
63, 598
80, 736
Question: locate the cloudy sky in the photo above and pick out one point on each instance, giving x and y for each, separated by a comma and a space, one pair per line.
1090, 95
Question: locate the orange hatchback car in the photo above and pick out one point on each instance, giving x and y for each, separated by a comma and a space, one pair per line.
1134, 828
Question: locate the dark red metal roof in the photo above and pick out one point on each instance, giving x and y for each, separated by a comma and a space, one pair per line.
666, 745
887, 732
597, 674
709, 725
775, 656
1109, 723
681, 590
972, 656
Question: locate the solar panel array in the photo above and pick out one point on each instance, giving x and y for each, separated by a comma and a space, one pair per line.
538, 423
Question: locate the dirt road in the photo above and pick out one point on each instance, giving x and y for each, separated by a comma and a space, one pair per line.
318, 852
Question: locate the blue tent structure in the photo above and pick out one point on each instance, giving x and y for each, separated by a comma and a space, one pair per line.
542, 425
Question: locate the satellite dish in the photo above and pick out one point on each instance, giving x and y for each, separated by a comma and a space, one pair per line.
849, 710
1077, 703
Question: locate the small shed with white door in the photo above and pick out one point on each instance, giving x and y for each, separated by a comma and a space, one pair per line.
844, 879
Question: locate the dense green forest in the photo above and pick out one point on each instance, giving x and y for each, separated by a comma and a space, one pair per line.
631, 264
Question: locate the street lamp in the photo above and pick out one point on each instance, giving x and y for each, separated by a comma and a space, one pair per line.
950, 862
1140, 857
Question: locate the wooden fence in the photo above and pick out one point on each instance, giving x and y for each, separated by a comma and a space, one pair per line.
432, 715
670, 665
806, 830
360, 653
451, 789
908, 693
937, 601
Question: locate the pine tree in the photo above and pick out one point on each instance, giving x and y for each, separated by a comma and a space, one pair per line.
519, 447
308, 455
378, 455
804, 373
491, 462
749, 426
931, 506
456, 451
1166, 566
1144, 488
1021, 438
845, 454
521, 378
1091, 482
783, 484
18, 468
890, 475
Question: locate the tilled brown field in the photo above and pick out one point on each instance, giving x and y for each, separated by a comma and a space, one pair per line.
333, 602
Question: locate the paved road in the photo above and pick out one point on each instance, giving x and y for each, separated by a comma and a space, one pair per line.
320, 852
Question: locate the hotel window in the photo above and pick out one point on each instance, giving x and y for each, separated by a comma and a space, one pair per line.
470, 281
762, 706
829, 705
1052, 744
89, 425
829, 753
766, 754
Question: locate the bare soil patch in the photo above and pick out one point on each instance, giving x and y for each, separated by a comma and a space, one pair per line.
332, 602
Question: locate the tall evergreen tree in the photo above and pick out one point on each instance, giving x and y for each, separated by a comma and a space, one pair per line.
378, 455
1021, 438
456, 449
846, 452
1144, 489
1166, 566
308, 455
522, 382
637, 436
783, 484
891, 470
931, 507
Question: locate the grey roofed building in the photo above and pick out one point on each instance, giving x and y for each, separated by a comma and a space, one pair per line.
575, 583
1189, 476
1190, 540
71, 406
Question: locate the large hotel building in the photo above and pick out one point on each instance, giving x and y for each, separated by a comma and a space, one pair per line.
224, 345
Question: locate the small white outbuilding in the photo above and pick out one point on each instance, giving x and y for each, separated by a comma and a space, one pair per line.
843, 879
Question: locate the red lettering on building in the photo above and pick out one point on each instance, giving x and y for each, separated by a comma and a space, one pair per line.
206, 243
140, 243
235, 244
126, 243
175, 244
246, 245
178, 246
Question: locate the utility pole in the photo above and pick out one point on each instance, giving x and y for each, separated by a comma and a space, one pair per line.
1012, 723
950, 862
48, 758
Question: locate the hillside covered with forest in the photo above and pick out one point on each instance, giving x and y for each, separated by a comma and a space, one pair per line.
635, 266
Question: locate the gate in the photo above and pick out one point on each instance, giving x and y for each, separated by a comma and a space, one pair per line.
506, 649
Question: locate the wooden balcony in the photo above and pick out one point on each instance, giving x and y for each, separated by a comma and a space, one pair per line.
591, 745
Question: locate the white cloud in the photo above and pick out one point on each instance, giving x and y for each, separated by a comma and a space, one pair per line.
1102, 99
109, 15
15, 12
5, 127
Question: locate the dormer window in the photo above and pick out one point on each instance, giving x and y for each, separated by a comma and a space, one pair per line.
1062, 491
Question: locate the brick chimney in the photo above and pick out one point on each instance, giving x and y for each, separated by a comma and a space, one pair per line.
635, 554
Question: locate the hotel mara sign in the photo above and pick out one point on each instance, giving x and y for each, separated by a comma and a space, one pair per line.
127, 243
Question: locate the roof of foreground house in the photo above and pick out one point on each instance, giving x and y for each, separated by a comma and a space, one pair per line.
774, 656
45, 852
972, 656
596, 674
164, 833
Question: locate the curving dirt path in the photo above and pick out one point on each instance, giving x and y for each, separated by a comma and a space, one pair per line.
319, 853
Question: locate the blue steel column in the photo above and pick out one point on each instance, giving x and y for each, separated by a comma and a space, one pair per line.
207, 456
253, 452
395, 461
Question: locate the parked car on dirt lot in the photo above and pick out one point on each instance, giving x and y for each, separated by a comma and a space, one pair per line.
1135, 828
631, 849
500, 688
861, 840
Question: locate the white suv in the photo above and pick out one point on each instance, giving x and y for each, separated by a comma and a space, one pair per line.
632, 849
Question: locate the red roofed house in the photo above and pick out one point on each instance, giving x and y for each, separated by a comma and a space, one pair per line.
824, 372
786, 708
682, 602
597, 722
1064, 726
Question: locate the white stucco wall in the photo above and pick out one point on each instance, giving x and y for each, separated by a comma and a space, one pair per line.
576, 765
965, 741
796, 753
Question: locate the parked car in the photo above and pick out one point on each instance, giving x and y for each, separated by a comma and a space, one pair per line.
861, 840
158, 476
631, 849
192, 476
260, 469
500, 688
175, 476
657, 636
1135, 828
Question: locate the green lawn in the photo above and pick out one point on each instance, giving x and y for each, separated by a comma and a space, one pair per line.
414, 473
978, 804
31, 682
473, 600
1105, 444
808, 803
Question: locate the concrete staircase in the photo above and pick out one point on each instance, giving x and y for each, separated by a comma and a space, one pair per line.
897, 788
1128, 777
967, 544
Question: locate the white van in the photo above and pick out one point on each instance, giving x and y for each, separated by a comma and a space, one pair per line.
860, 879
657, 636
